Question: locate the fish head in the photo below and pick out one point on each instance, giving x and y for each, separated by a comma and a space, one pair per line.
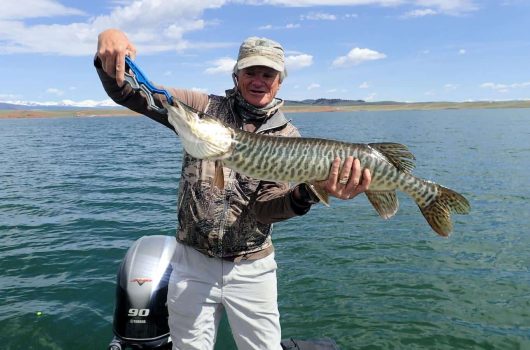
202, 138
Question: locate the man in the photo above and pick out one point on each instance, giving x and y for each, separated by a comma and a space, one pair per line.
225, 257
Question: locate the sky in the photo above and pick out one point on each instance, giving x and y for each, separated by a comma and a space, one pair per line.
372, 50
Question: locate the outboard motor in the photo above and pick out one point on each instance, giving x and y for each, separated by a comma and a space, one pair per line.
140, 314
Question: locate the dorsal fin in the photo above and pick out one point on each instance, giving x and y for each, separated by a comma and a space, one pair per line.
397, 154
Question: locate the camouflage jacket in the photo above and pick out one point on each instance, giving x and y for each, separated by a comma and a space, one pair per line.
235, 222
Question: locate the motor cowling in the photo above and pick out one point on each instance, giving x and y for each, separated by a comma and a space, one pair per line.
141, 314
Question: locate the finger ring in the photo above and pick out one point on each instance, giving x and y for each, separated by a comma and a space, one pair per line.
343, 181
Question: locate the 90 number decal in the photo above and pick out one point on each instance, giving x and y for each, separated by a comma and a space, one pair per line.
138, 312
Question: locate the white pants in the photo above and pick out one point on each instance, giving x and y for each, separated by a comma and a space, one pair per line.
200, 287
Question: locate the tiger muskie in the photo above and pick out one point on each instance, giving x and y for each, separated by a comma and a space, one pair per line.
298, 159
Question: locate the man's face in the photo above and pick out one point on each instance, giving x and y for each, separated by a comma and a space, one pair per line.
258, 85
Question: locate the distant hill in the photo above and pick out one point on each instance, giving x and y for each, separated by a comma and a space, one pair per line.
11, 107
308, 102
67, 108
325, 102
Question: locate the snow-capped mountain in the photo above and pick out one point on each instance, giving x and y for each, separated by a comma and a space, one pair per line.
58, 104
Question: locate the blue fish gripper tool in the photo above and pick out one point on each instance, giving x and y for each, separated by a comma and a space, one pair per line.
138, 81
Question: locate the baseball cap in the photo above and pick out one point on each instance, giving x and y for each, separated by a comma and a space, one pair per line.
256, 51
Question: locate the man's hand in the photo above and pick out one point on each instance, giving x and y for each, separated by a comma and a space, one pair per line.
113, 46
348, 182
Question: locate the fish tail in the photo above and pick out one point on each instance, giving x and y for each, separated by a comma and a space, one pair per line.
438, 211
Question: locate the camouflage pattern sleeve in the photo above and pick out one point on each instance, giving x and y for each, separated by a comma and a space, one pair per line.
136, 101
273, 202
195, 99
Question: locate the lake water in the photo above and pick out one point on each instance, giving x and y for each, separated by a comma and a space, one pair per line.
75, 194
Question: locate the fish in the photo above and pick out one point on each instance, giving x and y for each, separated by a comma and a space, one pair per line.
308, 160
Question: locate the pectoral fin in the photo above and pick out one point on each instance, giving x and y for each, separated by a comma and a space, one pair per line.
320, 193
219, 177
384, 202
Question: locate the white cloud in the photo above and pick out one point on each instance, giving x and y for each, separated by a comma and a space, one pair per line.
7, 97
442, 7
450, 86
146, 23
492, 85
357, 56
310, 3
294, 62
318, 16
505, 87
17, 9
450, 7
420, 13
337, 90
68, 103
462, 51
85, 103
153, 26
313, 86
222, 65
364, 85
287, 26
370, 97
54, 91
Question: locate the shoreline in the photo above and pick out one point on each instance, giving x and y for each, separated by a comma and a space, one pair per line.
417, 106
373, 107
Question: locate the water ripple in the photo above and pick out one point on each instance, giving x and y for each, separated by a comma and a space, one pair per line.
75, 194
